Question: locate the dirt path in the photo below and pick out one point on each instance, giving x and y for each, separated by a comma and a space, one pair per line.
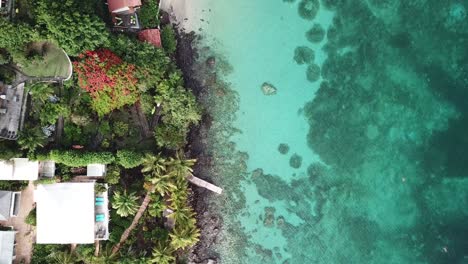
25, 235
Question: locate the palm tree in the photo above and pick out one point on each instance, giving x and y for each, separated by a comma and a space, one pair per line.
31, 138
162, 254
126, 204
61, 257
155, 166
180, 167
41, 92
184, 236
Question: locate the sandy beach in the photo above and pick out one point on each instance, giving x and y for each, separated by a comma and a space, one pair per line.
187, 13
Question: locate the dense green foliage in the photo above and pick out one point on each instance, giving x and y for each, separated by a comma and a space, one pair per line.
31, 218
15, 37
149, 14
13, 185
168, 39
125, 203
76, 158
74, 30
179, 110
129, 159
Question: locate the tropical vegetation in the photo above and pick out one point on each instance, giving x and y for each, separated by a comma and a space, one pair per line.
126, 106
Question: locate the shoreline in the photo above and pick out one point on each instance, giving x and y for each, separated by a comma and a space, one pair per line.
209, 222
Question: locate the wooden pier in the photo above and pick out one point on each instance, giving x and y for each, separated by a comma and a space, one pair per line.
202, 183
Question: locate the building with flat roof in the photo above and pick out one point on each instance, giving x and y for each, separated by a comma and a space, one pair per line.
70, 213
7, 246
19, 169
9, 204
12, 107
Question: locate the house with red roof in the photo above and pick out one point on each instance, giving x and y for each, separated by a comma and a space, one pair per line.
123, 6
152, 36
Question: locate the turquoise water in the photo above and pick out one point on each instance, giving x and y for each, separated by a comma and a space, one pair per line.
375, 169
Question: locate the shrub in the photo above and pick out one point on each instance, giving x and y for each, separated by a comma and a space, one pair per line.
45, 181
120, 128
149, 14
168, 39
13, 186
113, 175
77, 158
109, 81
31, 218
129, 159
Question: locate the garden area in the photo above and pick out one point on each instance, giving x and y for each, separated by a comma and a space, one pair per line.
126, 106
44, 59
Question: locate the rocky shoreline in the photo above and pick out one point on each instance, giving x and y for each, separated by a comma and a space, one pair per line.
208, 221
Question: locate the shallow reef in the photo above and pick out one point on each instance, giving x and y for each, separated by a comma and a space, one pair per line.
283, 148
295, 161
313, 73
316, 34
385, 122
308, 9
304, 55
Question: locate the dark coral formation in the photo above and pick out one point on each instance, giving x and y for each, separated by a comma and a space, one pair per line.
316, 34
313, 73
304, 55
295, 161
283, 148
269, 217
308, 9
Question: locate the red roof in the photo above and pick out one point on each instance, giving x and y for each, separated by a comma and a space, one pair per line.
150, 35
118, 4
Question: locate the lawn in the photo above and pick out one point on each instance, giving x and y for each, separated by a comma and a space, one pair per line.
48, 61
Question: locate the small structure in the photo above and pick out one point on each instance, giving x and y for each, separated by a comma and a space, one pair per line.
7, 246
202, 183
67, 214
5, 10
47, 168
124, 14
152, 36
96, 170
9, 205
12, 107
19, 169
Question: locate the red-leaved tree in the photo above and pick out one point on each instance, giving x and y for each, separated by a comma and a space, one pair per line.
109, 80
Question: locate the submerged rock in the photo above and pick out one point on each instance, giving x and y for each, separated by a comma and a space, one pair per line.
316, 34
269, 220
295, 161
313, 73
304, 55
308, 9
283, 148
268, 89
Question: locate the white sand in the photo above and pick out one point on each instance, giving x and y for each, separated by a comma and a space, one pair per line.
188, 14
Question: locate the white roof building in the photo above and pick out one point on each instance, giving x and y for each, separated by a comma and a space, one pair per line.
96, 170
7, 247
19, 169
65, 213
